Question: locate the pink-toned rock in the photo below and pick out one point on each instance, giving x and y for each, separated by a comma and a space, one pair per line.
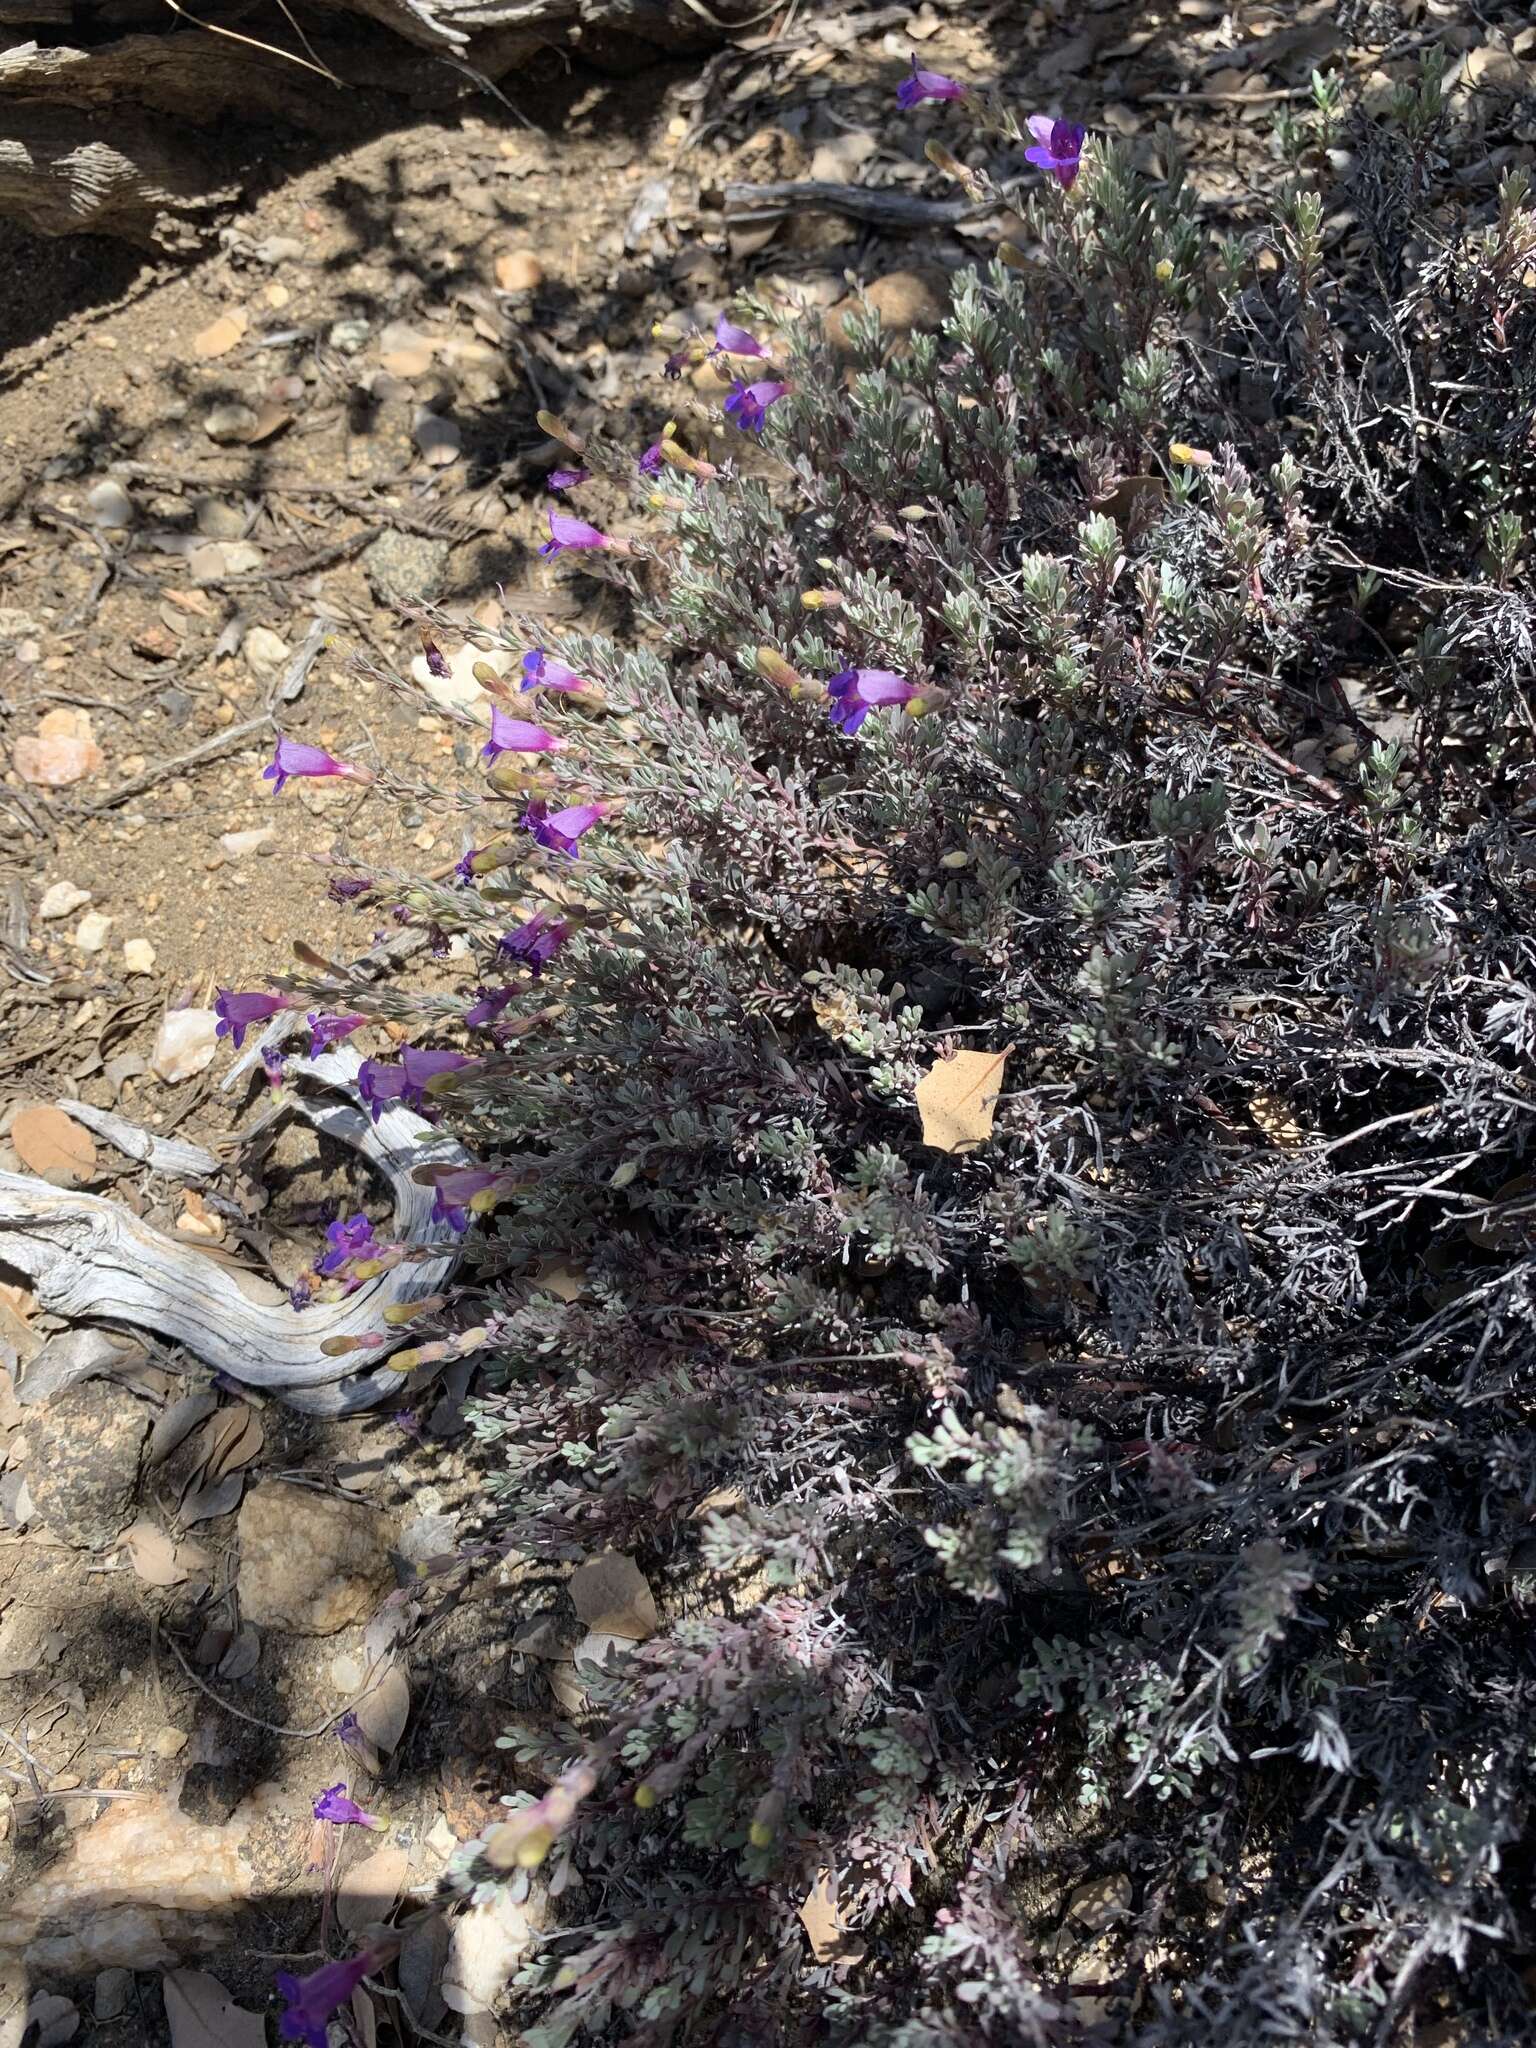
134, 1891
54, 760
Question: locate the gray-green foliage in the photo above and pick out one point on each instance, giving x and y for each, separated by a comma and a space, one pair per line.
1147, 1491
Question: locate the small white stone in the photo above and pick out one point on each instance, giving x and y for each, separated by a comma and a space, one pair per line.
62, 899
91, 932
230, 423
185, 1044
138, 956
266, 652
109, 504
238, 844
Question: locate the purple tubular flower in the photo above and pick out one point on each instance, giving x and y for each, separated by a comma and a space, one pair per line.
272, 1065
324, 1032
346, 1239
238, 1012
537, 942
542, 672
490, 1006
437, 661
311, 2000
731, 340
928, 85
566, 479
651, 460
378, 1084
454, 1192
294, 758
334, 1805
675, 365
347, 888
418, 1068
748, 403
517, 736
1058, 147
559, 831
568, 532
855, 692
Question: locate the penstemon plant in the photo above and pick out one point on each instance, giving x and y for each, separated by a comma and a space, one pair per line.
1132, 1497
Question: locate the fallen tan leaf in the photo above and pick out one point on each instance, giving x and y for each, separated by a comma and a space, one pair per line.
270, 419
383, 1713
956, 1099
365, 2017
610, 1594
221, 335
153, 1555
231, 1440
203, 2015
369, 1889
53, 1146
829, 1938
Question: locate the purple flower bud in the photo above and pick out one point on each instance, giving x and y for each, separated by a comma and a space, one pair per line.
542, 672
1058, 147
418, 1068
272, 1066
537, 942
731, 340
300, 1294
675, 365
437, 661
566, 479
347, 888
310, 2001
238, 1012
347, 1239
565, 531
748, 403
928, 85
855, 692
378, 1084
559, 831
651, 460
334, 1805
517, 736
294, 758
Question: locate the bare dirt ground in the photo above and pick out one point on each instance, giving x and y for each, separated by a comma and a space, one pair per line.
329, 414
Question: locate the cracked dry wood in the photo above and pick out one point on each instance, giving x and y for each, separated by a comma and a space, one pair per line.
87, 1257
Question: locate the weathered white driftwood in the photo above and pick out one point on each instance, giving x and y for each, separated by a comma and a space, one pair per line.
164, 1155
87, 1257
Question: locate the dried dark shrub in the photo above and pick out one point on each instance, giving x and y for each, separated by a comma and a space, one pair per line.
1146, 1494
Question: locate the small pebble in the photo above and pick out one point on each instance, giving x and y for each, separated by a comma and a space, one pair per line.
519, 270
138, 956
238, 844
91, 932
62, 899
